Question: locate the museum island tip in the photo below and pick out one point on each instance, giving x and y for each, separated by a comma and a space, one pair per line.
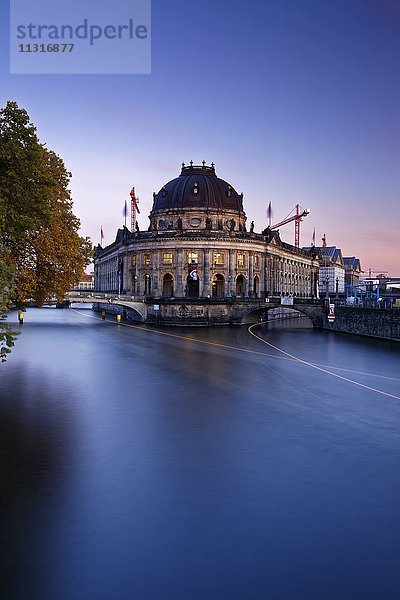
200, 264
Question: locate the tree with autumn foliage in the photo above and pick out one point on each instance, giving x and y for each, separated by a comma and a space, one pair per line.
41, 252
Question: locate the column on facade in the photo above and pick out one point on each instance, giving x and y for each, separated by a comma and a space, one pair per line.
139, 275
206, 273
127, 283
155, 275
231, 258
201, 263
178, 287
278, 275
264, 272
271, 275
250, 272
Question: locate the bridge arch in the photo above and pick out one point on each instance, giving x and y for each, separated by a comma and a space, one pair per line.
314, 313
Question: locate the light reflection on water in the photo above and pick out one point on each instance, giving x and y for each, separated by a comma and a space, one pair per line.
137, 465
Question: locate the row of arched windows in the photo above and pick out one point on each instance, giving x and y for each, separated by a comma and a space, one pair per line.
218, 286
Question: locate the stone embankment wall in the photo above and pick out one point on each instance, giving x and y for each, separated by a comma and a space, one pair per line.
373, 322
189, 312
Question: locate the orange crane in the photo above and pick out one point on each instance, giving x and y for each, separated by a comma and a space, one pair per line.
134, 209
300, 214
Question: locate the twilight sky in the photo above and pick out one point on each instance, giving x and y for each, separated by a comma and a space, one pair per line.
293, 102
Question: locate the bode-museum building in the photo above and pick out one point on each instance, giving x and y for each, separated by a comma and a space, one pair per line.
198, 250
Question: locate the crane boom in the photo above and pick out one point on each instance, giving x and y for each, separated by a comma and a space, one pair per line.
296, 218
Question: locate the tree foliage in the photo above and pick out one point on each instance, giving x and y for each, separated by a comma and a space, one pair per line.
40, 247
7, 336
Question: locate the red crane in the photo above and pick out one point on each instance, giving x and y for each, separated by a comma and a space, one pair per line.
134, 209
300, 214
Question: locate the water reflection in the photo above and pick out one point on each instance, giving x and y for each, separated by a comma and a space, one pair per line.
145, 466
36, 433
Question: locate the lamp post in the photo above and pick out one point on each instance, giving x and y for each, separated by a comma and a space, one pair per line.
337, 289
327, 287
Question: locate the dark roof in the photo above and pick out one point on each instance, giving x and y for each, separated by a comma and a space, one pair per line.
212, 192
331, 252
351, 262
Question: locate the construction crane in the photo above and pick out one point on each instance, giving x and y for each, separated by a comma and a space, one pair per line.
300, 214
134, 209
378, 272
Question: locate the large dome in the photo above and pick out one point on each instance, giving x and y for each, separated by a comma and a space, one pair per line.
198, 187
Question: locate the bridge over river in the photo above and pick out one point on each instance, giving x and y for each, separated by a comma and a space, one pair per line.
201, 311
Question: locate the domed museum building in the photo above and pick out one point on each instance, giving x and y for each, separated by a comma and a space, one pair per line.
198, 259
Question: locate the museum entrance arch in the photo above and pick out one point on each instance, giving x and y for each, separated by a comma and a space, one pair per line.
240, 286
218, 286
256, 286
192, 285
168, 285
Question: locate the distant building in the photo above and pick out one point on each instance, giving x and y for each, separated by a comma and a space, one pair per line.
86, 283
331, 275
352, 267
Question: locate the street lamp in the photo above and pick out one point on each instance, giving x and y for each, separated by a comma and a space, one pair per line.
327, 287
337, 289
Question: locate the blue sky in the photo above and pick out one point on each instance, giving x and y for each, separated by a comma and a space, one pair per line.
293, 102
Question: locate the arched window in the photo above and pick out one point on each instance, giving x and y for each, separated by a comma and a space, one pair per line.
218, 286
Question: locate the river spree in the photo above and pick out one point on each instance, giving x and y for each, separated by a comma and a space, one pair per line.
204, 464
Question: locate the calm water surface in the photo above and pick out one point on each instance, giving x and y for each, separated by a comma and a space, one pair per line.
143, 466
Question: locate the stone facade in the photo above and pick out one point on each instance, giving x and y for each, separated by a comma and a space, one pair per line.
198, 246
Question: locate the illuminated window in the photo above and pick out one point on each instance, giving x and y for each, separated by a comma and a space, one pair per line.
134, 260
240, 260
167, 258
256, 260
146, 259
218, 259
193, 258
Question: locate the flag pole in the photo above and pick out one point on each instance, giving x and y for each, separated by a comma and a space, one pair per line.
269, 214
125, 213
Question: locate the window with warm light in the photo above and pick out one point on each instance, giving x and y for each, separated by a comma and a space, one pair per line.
146, 259
240, 260
218, 259
134, 261
193, 258
167, 258
256, 260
